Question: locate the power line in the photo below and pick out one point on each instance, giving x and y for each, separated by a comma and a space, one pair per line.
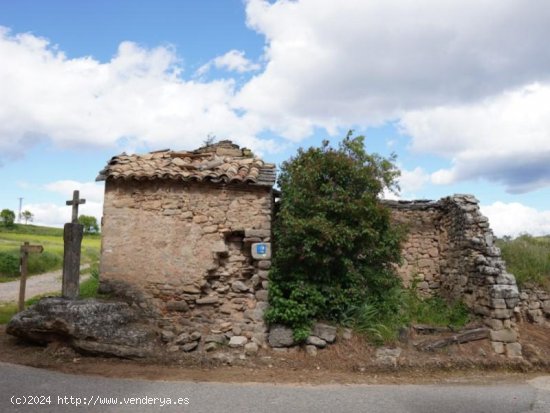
20, 206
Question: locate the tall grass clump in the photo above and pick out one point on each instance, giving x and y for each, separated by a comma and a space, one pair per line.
528, 258
379, 321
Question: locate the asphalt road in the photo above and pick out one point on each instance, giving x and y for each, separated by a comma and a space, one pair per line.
56, 392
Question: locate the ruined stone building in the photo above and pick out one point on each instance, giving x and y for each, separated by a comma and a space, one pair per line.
178, 231
450, 252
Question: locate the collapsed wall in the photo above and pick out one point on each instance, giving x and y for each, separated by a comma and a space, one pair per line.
450, 252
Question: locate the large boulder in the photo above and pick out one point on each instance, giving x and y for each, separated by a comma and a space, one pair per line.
92, 326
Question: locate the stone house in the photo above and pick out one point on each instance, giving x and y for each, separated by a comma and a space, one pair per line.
179, 229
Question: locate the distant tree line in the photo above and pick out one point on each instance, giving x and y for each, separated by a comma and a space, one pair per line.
7, 217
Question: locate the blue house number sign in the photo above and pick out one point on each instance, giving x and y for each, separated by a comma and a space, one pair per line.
261, 249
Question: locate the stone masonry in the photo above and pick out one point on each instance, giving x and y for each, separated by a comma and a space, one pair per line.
177, 235
450, 252
535, 305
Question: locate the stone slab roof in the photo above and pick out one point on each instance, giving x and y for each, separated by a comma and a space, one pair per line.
223, 162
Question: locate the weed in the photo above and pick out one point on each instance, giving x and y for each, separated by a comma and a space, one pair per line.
381, 321
528, 258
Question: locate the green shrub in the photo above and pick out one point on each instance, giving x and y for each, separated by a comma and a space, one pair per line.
9, 264
333, 241
528, 258
44, 262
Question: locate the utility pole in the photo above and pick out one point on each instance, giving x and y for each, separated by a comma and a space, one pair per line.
20, 206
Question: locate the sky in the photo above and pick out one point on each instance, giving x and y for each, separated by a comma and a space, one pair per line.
458, 90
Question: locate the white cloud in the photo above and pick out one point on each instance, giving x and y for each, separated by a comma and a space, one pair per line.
233, 61
412, 181
505, 138
139, 96
334, 64
468, 79
91, 191
514, 219
50, 214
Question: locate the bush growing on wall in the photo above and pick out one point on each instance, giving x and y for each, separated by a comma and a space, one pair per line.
334, 244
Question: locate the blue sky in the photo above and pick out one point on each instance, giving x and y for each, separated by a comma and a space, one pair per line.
460, 91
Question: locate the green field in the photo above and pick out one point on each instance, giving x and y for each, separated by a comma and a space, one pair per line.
52, 257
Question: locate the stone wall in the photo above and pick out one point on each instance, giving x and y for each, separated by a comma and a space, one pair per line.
450, 252
182, 253
421, 250
534, 305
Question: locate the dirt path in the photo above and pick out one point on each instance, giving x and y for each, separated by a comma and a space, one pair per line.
37, 284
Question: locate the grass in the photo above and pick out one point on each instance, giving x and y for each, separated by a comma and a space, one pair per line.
52, 257
528, 258
381, 322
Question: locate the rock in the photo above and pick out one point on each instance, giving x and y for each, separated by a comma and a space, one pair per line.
257, 233
264, 275
513, 350
388, 352
224, 358
183, 338
256, 314
173, 349
208, 300
180, 306
502, 314
316, 341
280, 336
505, 278
220, 248
388, 356
190, 346
498, 347
167, 335
264, 265
494, 324
325, 332
251, 348
262, 295
191, 289
311, 350
347, 334
195, 336
237, 341
215, 338
106, 328
210, 346
504, 291
506, 335
239, 287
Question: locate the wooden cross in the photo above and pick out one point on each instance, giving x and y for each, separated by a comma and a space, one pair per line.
75, 202
26, 249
